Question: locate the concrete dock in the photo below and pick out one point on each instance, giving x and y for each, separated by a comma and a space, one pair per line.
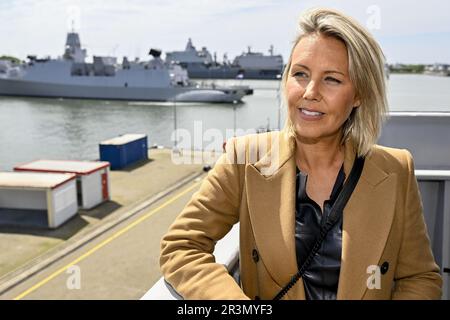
109, 252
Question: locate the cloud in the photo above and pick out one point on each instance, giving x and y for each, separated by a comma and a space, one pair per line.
131, 27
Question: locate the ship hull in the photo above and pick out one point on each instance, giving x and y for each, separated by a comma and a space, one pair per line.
197, 72
12, 87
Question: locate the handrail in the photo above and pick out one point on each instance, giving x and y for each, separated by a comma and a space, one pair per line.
419, 114
432, 174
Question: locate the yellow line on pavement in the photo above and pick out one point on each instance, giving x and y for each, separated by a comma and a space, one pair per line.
105, 242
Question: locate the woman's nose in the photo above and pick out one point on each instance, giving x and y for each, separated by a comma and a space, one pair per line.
312, 91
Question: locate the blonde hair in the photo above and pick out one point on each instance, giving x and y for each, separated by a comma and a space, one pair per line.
366, 71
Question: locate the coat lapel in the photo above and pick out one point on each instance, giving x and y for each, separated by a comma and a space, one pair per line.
271, 205
367, 221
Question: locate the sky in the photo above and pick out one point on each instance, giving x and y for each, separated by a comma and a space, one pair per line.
408, 31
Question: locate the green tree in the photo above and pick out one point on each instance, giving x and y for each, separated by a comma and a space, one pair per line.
10, 58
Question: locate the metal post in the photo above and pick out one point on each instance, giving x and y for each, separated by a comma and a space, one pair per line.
175, 123
234, 119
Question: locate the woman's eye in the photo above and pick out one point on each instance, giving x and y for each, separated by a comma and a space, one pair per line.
300, 74
332, 79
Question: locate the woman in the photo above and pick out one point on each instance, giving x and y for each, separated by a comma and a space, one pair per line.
282, 187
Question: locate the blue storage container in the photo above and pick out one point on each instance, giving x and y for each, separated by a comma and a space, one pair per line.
124, 150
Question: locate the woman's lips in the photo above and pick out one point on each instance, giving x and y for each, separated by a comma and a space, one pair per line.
310, 115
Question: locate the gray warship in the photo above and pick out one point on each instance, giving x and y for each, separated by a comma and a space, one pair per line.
200, 64
70, 76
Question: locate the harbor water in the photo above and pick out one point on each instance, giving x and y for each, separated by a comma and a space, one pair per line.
39, 128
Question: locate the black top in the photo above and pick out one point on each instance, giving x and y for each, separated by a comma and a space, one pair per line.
321, 278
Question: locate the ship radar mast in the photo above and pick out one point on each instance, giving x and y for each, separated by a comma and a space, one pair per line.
190, 46
73, 50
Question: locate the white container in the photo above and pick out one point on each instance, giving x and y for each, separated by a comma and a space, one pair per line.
37, 199
93, 185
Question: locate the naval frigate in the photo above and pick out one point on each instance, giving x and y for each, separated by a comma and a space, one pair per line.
201, 64
70, 76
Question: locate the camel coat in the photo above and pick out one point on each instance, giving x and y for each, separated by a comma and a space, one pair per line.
254, 183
